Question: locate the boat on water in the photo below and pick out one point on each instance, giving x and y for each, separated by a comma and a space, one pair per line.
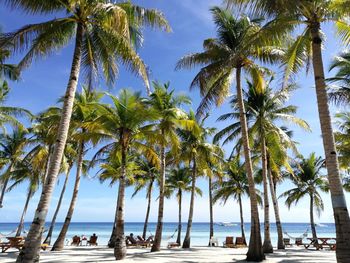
226, 224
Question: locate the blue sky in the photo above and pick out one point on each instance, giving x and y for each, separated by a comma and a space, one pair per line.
46, 80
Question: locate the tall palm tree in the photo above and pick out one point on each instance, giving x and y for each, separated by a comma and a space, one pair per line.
124, 122
147, 181
170, 117
307, 16
70, 155
83, 112
234, 184
196, 150
308, 180
178, 182
109, 160
12, 148
103, 32
239, 43
265, 109
340, 92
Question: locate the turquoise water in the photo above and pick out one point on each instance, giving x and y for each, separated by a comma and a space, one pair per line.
199, 235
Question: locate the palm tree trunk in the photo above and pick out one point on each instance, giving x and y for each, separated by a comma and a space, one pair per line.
31, 249
47, 166
340, 211
211, 227
59, 243
149, 197
21, 222
3, 190
120, 245
53, 221
111, 242
241, 216
4, 186
187, 240
312, 220
159, 229
280, 243
179, 227
255, 251
267, 245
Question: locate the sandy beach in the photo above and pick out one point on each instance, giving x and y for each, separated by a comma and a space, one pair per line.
194, 255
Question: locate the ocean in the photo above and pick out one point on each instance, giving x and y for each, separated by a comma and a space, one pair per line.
199, 234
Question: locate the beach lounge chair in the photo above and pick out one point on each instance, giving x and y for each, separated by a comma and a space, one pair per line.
229, 242
93, 240
286, 242
240, 242
132, 242
76, 241
299, 241
148, 241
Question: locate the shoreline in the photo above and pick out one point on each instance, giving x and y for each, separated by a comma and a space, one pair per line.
195, 254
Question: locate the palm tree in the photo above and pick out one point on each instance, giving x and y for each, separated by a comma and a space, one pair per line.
104, 32
196, 150
12, 150
234, 184
307, 16
9, 71
124, 122
238, 44
70, 155
178, 182
340, 92
146, 180
170, 118
83, 112
215, 171
109, 160
266, 108
308, 180
8, 114
27, 170
342, 139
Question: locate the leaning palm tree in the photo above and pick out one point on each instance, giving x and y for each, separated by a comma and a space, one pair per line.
146, 181
125, 123
178, 182
170, 117
233, 185
239, 43
27, 170
197, 151
12, 148
104, 32
308, 180
69, 158
83, 112
307, 16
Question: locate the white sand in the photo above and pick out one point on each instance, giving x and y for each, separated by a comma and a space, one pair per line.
194, 255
